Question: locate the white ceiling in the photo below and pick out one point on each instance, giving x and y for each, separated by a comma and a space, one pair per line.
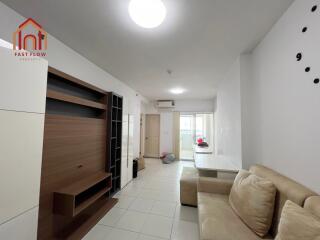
198, 41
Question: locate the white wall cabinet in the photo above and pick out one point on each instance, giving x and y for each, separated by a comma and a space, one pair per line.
22, 106
23, 84
124, 150
130, 148
21, 139
23, 227
127, 149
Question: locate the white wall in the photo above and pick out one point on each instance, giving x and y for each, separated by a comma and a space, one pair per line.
192, 105
228, 116
198, 105
65, 59
284, 133
246, 106
166, 117
268, 106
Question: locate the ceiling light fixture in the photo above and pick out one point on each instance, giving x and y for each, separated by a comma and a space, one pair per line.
147, 13
177, 91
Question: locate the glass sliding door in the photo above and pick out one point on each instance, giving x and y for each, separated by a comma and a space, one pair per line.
204, 127
192, 127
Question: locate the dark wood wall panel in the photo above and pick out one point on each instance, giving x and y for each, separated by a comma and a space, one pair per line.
74, 147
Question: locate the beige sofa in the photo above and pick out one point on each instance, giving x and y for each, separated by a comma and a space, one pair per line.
217, 220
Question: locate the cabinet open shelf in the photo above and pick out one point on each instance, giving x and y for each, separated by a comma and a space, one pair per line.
73, 199
52, 94
115, 103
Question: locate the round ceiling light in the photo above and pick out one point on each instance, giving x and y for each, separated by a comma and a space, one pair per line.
177, 91
147, 13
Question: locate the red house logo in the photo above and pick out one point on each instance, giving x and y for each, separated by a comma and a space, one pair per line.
30, 36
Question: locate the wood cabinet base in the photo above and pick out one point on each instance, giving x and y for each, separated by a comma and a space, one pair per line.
78, 229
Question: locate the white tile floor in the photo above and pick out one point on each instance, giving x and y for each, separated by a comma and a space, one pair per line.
149, 208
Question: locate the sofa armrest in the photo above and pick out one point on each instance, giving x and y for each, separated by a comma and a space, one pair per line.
214, 185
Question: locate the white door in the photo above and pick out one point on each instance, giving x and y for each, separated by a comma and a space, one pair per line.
152, 135
130, 148
142, 135
127, 149
124, 150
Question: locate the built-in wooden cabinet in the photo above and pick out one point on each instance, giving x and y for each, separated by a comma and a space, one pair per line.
75, 182
55, 140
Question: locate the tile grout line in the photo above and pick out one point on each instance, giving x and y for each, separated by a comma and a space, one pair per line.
145, 185
175, 211
139, 233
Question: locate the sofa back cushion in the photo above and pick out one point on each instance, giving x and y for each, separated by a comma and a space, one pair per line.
312, 204
287, 189
298, 223
252, 199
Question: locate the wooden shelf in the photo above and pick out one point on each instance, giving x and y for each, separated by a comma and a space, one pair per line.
52, 94
90, 200
75, 80
83, 184
73, 199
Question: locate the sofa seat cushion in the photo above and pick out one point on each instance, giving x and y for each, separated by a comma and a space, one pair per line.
217, 220
188, 186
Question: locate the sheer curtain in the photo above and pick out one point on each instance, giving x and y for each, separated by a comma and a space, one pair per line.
176, 134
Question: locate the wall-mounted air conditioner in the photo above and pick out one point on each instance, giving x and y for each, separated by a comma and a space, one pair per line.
165, 104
